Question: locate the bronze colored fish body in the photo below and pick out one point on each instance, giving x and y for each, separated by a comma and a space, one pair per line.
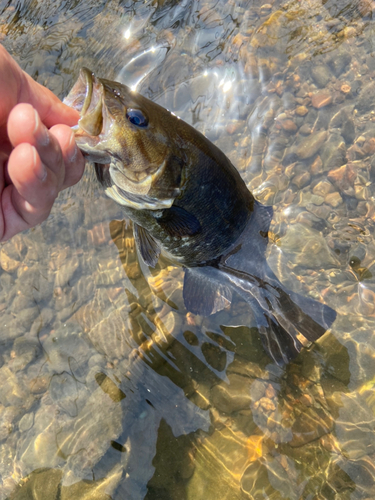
166, 165
189, 202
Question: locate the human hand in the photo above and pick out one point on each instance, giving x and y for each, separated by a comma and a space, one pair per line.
35, 163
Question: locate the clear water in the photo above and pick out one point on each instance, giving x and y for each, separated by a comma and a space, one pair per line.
108, 387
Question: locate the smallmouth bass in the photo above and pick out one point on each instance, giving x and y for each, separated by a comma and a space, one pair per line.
188, 202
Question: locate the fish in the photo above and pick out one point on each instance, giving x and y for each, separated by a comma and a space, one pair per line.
189, 203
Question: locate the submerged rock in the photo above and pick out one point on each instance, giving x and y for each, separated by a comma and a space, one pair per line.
310, 145
321, 75
308, 245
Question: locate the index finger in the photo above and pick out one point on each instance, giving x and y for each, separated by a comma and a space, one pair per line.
51, 110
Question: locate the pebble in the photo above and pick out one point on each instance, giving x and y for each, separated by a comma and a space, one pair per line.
292, 170
289, 100
25, 317
301, 110
301, 180
265, 405
8, 418
191, 338
333, 199
21, 302
310, 145
289, 126
321, 99
265, 8
266, 193
258, 389
305, 129
10, 330
309, 245
322, 212
26, 422
316, 166
340, 62
7, 263
270, 392
64, 392
25, 351
7, 283
348, 131
362, 192
333, 153
366, 98
214, 356
169, 323
343, 177
234, 127
323, 188
321, 75
39, 385
348, 32
365, 7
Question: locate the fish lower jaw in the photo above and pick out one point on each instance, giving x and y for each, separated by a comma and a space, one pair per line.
88, 147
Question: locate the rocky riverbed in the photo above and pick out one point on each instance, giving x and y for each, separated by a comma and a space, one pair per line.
108, 387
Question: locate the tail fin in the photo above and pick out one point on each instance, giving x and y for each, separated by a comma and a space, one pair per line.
286, 320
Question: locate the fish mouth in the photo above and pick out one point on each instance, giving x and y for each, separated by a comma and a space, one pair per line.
86, 97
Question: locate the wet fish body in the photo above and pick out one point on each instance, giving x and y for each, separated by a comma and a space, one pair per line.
188, 202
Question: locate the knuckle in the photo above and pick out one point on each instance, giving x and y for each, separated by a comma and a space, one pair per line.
73, 173
52, 194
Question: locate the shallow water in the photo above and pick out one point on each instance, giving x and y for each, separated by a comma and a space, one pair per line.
108, 387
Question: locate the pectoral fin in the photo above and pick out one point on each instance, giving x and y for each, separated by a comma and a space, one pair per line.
147, 246
177, 221
203, 294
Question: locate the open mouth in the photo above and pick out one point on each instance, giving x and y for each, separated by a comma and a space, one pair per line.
86, 98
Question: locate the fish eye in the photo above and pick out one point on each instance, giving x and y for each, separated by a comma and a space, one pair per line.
136, 117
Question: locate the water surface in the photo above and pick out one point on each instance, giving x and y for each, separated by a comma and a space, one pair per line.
109, 389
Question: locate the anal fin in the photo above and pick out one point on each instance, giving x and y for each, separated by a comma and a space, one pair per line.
203, 293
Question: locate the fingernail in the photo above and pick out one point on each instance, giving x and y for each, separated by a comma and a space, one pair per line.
39, 169
73, 149
40, 131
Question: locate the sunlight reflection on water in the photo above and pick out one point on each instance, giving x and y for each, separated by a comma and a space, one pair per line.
104, 376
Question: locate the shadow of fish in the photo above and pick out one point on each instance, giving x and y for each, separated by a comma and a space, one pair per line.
188, 202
